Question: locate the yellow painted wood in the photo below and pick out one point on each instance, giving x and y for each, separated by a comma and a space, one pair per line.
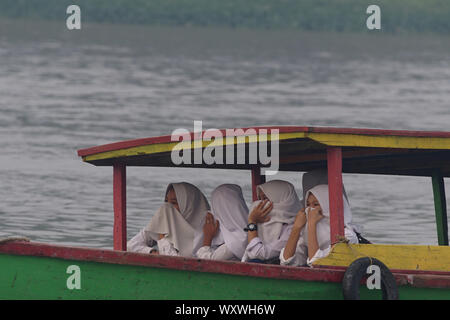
178, 145
408, 257
402, 142
329, 139
135, 151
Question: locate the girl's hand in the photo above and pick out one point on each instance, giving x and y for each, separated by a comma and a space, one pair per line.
300, 219
210, 228
260, 213
315, 215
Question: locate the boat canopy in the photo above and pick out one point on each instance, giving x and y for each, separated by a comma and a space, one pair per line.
339, 150
371, 151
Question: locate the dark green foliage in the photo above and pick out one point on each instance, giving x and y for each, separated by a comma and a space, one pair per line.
319, 15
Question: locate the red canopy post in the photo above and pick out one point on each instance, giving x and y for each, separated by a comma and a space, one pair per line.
120, 207
334, 158
257, 179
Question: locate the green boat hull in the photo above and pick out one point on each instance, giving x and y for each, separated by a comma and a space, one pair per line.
31, 277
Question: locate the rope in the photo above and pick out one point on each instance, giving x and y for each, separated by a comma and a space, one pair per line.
10, 239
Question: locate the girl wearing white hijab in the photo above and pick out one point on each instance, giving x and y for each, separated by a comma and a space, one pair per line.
225, 238
310, 236
313, 178
271, 220
176, 226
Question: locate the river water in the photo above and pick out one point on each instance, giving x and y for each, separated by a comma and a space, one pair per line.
62, 90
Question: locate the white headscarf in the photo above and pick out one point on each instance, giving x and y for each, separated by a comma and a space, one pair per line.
228, 206
323, 226
285, 207
314, 178
181, 227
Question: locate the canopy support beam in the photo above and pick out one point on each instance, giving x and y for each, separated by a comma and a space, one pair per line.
440, 207
257, 179
120, 207
335, 189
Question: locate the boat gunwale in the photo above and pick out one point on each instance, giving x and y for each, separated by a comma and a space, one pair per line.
414, 278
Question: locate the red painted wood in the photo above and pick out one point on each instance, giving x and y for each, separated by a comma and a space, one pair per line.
403, 271
257, 179
179, 263
381, 132
345, 154
415, 278
120, 207
335, 189
167, 139
430, 279
282, 129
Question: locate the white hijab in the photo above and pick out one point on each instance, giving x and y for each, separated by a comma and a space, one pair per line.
323, 226
228, 206
314, 178
183, 228
285, 207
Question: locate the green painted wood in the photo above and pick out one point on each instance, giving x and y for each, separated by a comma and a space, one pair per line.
26, 277
440, 207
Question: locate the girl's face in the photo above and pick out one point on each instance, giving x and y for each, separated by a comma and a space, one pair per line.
172, 199
312, 202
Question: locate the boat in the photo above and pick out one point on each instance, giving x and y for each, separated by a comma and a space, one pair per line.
36, 270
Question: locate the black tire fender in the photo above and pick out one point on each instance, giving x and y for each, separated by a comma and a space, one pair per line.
358, 269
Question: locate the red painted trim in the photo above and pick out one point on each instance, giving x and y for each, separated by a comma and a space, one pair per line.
168, 138
120, 207
288, 129
403, 271
257, 179
345, 154
428, 281
318, 273
178, 263
381, 132
335, 189
415, 278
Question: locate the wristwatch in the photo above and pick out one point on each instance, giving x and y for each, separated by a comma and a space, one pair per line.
251, 227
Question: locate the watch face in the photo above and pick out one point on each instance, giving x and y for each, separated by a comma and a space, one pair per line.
251, 227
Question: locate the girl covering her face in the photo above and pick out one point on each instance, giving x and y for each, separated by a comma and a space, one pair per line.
309, 237
272, 216
318, 217
177, 224
230, 211
285, 207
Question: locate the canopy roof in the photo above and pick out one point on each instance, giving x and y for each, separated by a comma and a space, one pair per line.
375, 151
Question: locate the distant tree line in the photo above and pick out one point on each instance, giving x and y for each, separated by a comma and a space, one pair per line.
317, 15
